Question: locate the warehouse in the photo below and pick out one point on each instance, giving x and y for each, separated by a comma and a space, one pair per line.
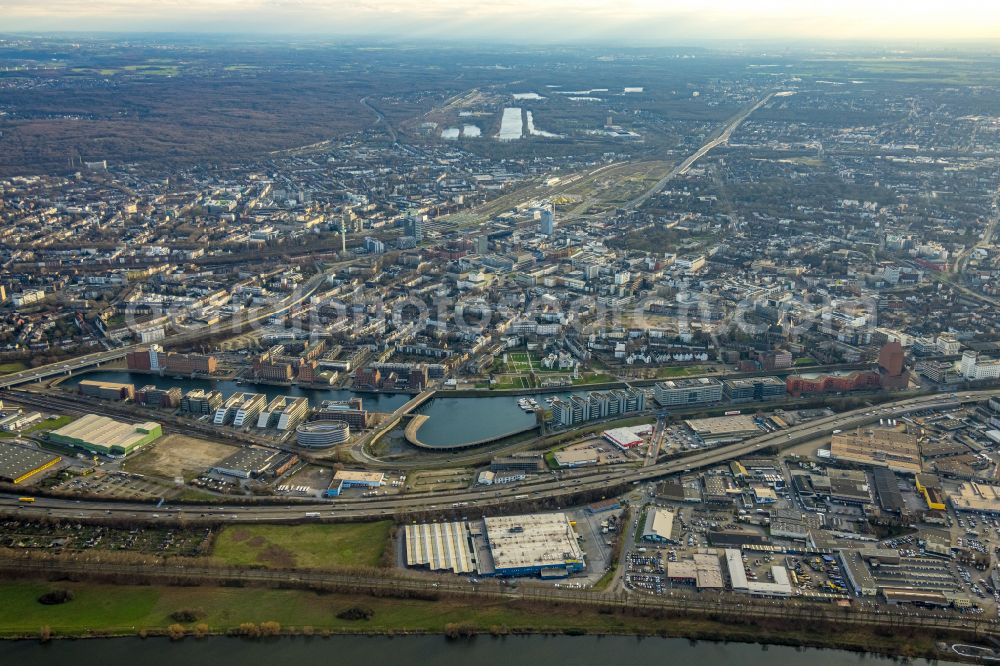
345, 479
724, 428
20, 463
439, 547
659, 526
623, 438
533, 545
576, 457
781, 587
99, 434
702, 571
898, 451
107, 390
247, 462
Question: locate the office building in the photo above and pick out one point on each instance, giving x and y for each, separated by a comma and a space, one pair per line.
680, 392
350, 411
547, 222
754, 389
199, 401
975, 366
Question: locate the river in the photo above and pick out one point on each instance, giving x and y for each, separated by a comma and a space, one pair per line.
421, 650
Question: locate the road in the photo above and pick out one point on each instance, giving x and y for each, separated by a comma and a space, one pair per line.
682, 168
184, 337
558, 491
986, 241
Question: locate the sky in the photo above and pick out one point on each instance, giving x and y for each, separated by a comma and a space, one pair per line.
539, 21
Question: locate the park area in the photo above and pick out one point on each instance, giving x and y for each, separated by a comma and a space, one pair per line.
339, 546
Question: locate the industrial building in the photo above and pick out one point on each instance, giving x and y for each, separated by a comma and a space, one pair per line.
107, 390
680, 392
623, 438
659, 526
532, 545
781, 587
724, 428
322, 434
99, 434
576, 457
439, 547
345, 479
703, 571
898, 451
247, 462
20, 463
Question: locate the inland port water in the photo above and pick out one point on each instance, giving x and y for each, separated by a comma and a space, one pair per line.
453, 421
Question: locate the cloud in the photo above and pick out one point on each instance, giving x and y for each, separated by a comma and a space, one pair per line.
526, 20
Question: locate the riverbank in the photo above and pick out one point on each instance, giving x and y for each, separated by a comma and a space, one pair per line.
102, 610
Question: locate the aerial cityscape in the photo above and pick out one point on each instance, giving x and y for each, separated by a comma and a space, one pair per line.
497, 339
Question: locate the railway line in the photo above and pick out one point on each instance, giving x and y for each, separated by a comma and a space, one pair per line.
554, 491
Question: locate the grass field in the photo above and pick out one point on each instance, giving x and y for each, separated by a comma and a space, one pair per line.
127, 610
10, 368
53, 423
678, 371
304, 546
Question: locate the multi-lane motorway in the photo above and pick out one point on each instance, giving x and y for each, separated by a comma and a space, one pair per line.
555, 490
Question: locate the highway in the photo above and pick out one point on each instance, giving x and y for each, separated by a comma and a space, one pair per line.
683, 167
555, 491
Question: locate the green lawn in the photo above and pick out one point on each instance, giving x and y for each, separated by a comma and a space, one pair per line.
304, 546
127, 610
51, 423
678, 371
10, 368
593, 378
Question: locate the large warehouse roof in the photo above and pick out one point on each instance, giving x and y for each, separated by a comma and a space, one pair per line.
106, 434
439, 546
532, 541
17, 463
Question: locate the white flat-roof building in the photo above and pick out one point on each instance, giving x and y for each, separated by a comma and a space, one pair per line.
781, 587
533, 544
659, 526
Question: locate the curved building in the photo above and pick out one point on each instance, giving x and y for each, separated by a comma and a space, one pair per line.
321, 434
